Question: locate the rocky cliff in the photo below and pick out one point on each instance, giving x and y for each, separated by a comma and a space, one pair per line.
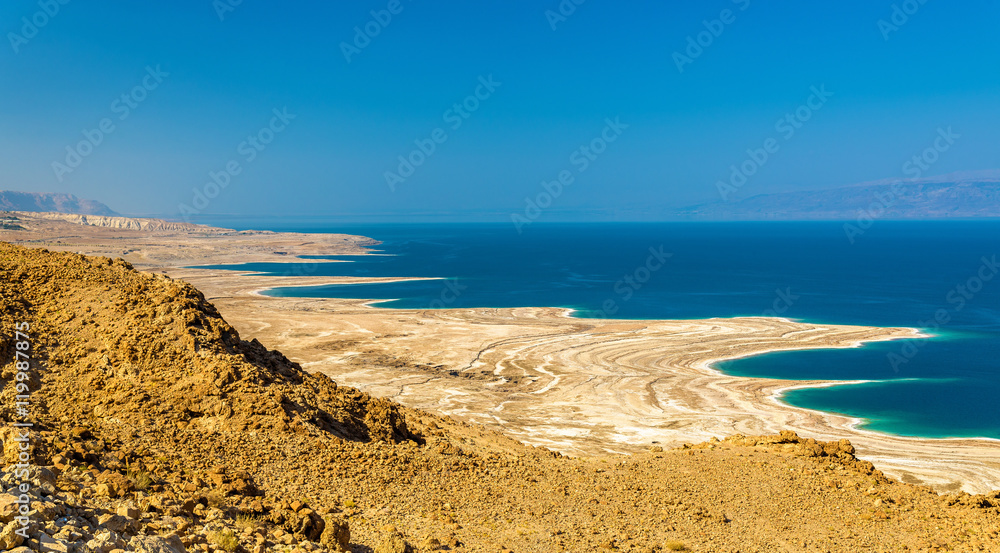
114, 222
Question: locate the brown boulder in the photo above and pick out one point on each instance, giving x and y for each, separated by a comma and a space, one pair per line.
9, 537
393, 542
336, 534
113, 484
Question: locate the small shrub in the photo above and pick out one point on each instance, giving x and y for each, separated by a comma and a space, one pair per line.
350, 504
141, 479
674, 545
225, 540
244, 520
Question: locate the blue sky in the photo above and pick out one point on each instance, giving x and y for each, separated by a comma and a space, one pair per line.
197, 85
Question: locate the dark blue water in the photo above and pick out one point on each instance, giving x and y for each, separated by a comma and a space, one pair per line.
934, 275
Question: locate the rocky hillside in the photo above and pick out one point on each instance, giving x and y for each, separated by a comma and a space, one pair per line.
158, 428
59, 203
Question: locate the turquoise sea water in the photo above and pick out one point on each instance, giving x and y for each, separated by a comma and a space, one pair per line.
941, 276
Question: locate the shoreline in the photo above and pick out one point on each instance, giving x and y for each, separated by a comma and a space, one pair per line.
586, 387
896, 461
365, 280
776, 396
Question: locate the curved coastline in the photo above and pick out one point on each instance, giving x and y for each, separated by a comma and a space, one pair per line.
710, 366
747, 405
579, 385
909, 458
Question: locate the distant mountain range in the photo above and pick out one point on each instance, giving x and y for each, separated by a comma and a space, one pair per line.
58, 203
955, 196
959, 195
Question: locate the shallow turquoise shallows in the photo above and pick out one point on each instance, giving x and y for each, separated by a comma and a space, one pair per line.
936, 275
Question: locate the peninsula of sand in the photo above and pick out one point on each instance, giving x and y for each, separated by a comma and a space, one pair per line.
583, 387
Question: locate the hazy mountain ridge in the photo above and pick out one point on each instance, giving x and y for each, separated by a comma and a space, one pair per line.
936, 198
51, 202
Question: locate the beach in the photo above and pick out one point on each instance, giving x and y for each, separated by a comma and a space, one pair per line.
584, 387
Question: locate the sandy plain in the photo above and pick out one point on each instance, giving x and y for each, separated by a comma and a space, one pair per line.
584, 387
